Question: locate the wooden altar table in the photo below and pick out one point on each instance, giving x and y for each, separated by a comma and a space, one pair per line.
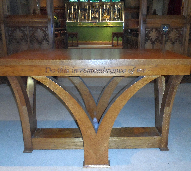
145, 65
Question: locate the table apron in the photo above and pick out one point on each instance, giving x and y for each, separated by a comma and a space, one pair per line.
62, 70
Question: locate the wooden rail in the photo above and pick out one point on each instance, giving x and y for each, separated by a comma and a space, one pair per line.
26, 20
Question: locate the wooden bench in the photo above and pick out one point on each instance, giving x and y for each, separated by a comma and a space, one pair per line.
145, 65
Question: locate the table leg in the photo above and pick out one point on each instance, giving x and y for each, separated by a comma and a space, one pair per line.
31, 92
112, 40
77, 39
26, 114
163, 120
159, 87
72, 40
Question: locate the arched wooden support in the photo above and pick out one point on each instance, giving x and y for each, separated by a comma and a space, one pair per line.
166, 108
105, 96
104, 130
95, 145
75, 107
86, 96
92, 152
25, 111
103, 100
113, 111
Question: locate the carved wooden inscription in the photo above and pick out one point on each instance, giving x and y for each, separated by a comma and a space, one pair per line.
108, 71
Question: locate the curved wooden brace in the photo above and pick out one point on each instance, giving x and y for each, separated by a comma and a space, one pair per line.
97, 153
92, 147
115, 108
103, 100
105, 96
86, 95
75, 107
95, 145
25, 110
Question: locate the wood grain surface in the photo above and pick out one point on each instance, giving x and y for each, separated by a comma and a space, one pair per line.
95, 62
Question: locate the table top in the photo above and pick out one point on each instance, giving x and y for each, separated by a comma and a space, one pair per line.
94, 62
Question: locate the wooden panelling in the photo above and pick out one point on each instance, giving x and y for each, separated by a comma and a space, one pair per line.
155, 21
26, 20
26, 32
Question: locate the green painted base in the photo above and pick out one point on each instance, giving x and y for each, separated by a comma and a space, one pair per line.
95, 31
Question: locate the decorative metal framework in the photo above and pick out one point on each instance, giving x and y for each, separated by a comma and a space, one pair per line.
95, 11
94, 0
